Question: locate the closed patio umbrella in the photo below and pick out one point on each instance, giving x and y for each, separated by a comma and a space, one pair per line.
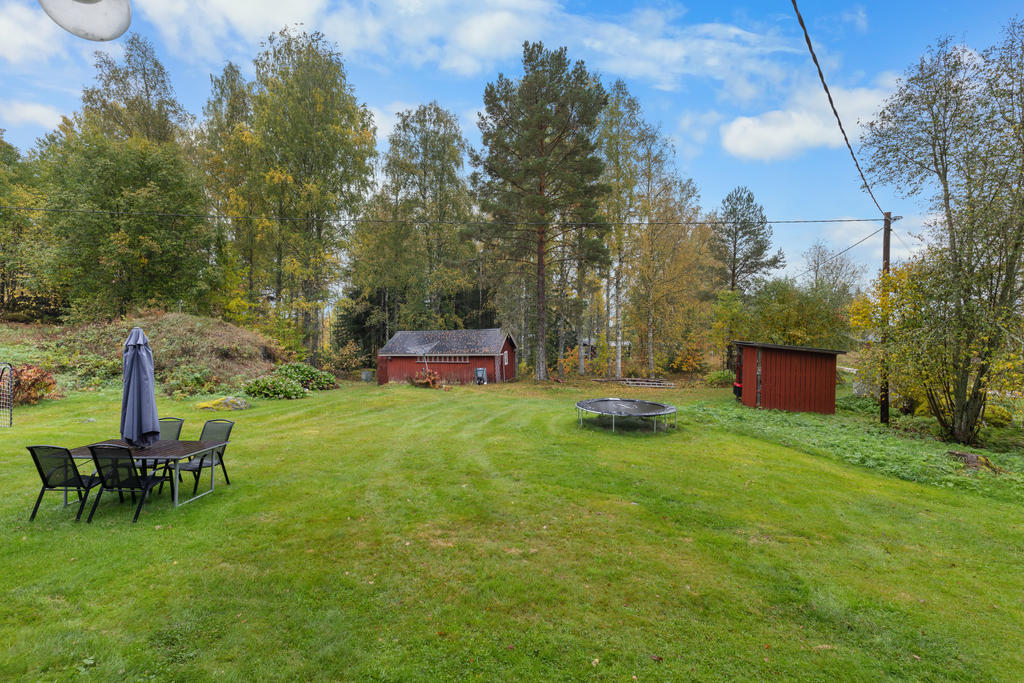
139, 422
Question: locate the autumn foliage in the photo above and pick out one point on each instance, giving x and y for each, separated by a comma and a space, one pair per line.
426, 378
32, 384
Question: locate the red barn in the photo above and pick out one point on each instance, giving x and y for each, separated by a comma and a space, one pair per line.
453, 354
793, 378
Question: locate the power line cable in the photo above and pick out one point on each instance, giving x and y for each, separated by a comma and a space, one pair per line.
900, 240
384, 221
821, 76
833, 257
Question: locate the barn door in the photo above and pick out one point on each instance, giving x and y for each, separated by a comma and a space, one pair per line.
757, 401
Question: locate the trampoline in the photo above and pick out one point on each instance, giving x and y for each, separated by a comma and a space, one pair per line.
626, 407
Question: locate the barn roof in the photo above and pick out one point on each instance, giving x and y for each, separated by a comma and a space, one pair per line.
448, 342
783, 347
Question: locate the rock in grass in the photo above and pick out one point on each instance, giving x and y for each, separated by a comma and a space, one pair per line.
975, 462
225, 403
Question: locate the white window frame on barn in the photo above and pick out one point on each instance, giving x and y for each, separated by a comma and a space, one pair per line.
504, 356
442, 359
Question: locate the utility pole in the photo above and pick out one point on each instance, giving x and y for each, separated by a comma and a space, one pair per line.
884, 378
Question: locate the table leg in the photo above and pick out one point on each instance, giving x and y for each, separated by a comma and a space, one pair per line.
200, 495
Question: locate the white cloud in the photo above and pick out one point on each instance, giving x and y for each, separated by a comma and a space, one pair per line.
665, 53
694, 129
805, 123
468, 37
857, 16
385, 118
483, 38
27, 34
206, 30
19, 113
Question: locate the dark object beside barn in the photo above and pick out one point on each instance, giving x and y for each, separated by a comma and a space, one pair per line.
453, 354
794, 378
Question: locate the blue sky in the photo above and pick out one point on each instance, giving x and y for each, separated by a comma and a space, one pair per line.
730, 83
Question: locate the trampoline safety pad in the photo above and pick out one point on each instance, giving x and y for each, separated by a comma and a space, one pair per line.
626, 407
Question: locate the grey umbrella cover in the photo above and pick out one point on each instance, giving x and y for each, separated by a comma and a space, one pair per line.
140, 424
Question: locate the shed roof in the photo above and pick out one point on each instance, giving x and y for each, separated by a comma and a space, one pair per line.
487, 342
783, 347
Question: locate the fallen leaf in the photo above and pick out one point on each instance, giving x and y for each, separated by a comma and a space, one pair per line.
916, 657
656, 658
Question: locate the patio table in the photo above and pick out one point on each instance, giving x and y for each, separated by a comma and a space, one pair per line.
171, 453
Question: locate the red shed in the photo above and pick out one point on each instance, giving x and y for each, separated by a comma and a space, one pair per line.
453, 354
795, 378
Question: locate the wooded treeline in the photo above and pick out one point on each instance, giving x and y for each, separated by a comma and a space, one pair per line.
571, 225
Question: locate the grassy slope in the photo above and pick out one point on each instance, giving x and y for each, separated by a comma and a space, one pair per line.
404, 534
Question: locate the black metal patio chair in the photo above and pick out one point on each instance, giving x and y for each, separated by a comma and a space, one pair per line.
170, 428
59, 472
213, 430
117, 472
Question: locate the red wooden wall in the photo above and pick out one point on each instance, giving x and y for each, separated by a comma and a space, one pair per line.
508, 371
799, 381
401, 368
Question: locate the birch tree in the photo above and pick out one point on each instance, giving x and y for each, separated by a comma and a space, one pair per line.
953, 134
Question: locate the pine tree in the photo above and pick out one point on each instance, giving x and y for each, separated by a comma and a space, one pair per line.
538, 175
743, 241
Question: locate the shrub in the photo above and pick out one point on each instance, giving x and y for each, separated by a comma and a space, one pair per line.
861, 405
87, 368
187, 380
719, 378
997, 416
306, 376
343, 359
274, 386
635, 369
525, 370
181, 343
426, 378
924, 410
568, 363
31, 384
689, 358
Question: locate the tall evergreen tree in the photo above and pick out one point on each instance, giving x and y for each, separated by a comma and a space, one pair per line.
743, 242
538, 174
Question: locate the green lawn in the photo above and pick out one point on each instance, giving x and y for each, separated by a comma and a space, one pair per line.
406, 534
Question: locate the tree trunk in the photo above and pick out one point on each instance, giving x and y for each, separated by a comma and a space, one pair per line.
581, 368
650, 340
608, 319
618, 320
561, 349
540, 372
580, 317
